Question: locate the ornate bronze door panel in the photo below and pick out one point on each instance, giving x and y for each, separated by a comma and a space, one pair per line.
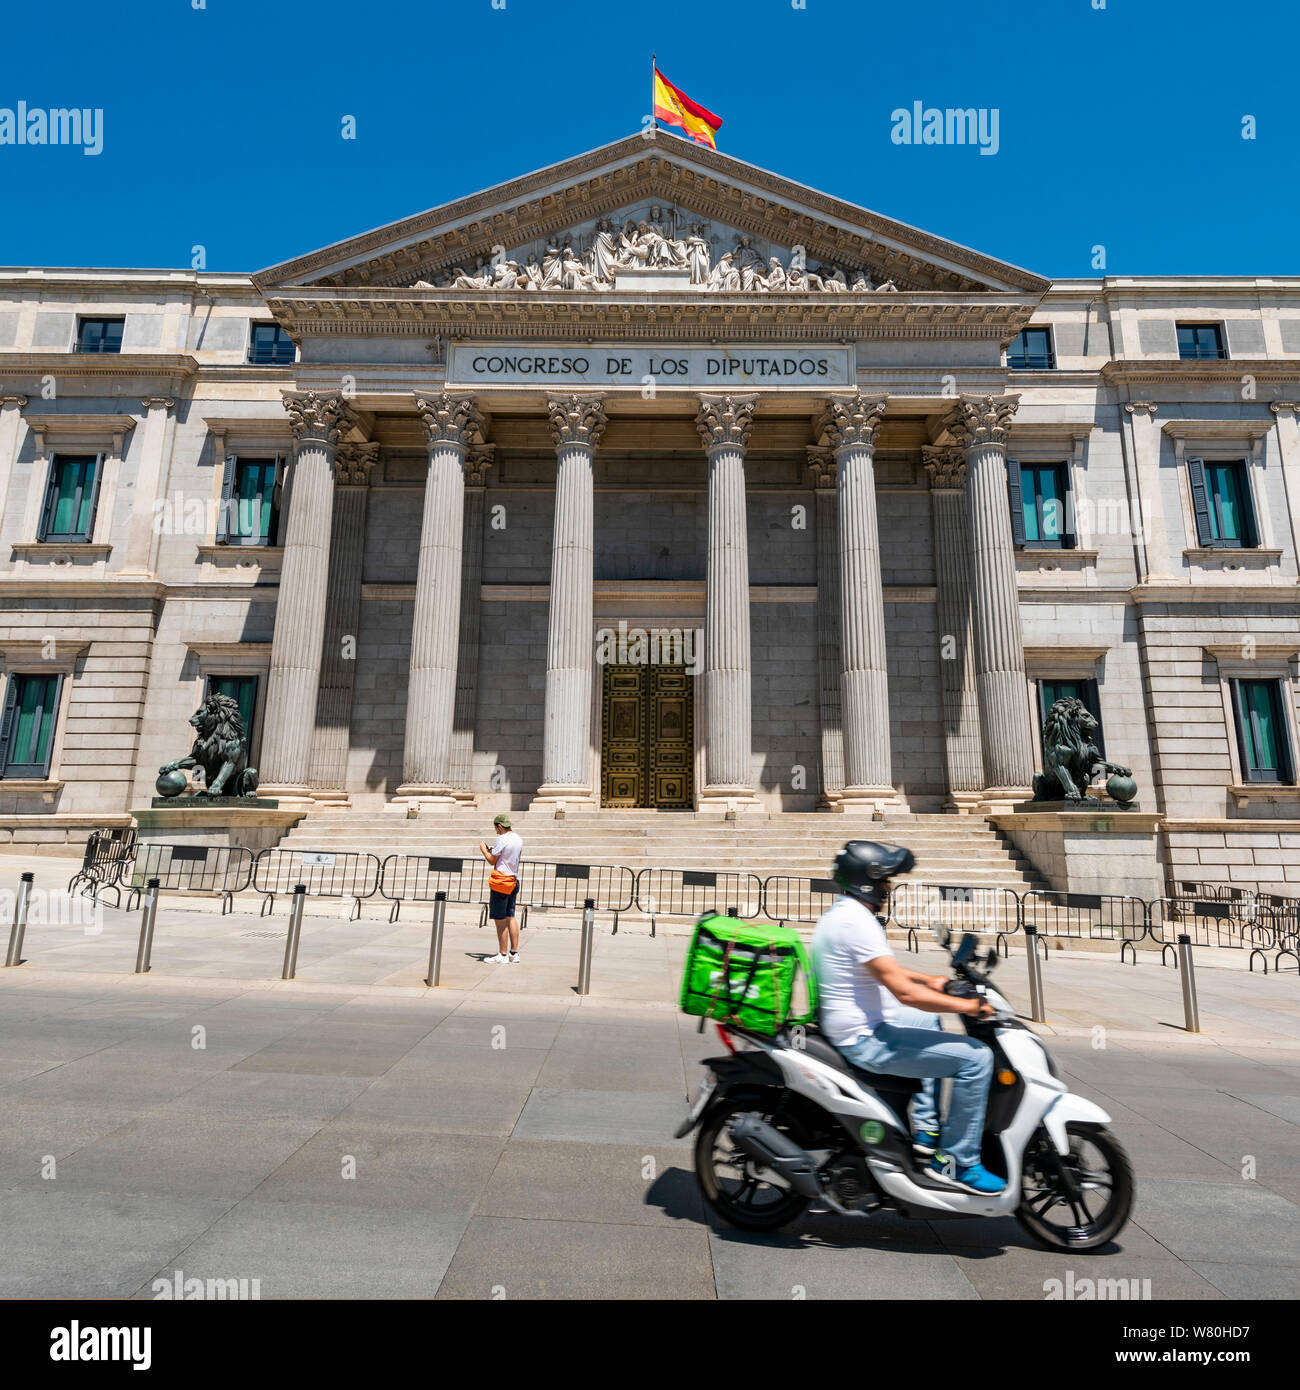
647, 752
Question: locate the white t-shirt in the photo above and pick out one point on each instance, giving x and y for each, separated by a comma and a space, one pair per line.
850, 1001
508, 849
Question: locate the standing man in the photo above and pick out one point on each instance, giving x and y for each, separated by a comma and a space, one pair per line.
503, 889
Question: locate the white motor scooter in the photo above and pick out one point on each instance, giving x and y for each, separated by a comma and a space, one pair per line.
785, 1121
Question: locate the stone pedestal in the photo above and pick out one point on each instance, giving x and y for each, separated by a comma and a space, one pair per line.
1079, 850
253, 827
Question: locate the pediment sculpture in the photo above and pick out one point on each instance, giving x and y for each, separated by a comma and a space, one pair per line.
651, 243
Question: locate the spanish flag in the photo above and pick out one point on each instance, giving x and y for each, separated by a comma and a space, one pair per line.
674, 107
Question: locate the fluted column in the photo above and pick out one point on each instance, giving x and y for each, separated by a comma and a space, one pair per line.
451, 423
1287, 417
152, 472
577, 424
478, 460
961, 712
318, 422
353, 464
11, 423
1153, 538
821, 468
850, 427
979, 425
724, 423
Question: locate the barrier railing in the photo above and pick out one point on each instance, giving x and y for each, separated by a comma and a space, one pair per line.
323, 874
108, 852
1209, 922
961, 907
689, 892
790, 899
419, 878
220, 869
1086, 916
546, 886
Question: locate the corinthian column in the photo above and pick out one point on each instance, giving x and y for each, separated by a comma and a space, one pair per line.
317, 422
850, 427
724, 423
577, 424
979, 425
961, 710
451, 423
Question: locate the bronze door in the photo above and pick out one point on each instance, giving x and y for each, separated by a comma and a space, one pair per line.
647, 747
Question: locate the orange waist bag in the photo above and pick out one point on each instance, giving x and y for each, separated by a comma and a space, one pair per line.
502, 883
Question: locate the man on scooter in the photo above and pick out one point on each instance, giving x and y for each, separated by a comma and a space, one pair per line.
883, 1017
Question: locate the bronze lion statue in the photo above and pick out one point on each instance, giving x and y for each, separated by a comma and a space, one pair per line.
220, 749
1071, 761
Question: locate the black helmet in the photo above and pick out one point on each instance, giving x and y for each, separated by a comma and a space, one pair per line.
862, 866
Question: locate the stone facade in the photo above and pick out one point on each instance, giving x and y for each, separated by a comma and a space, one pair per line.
871, 628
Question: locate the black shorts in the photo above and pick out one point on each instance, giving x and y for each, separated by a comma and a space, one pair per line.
502, 905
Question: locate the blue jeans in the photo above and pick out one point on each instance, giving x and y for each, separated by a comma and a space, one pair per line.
914, 1044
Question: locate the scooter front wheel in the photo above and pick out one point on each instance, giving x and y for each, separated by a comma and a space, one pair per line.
730, 1180
1079, 1201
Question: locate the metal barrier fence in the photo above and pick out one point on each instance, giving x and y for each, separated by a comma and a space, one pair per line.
419, 878
1090, 916
108, 852
1210, 922
609, 887
960, 907
223, 869
689, 892
323, 873
789, 899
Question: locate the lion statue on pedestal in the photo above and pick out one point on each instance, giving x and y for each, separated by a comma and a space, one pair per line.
220, 749
1071, 761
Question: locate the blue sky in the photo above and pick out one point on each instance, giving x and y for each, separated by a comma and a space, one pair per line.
1119, 127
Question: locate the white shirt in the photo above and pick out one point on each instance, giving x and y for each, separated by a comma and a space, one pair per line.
850, 1001
508, 849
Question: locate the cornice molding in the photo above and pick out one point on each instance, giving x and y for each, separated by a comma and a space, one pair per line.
1167, 370
119, 364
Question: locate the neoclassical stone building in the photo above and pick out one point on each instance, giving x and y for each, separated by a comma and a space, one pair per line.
654, 480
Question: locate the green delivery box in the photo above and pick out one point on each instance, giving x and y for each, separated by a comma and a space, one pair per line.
741, 973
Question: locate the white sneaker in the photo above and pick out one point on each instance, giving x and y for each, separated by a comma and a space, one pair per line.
514, 958
497, 959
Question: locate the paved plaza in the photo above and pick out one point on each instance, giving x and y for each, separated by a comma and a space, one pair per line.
351, 1133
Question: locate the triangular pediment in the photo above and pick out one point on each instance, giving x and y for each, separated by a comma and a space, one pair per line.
695, 219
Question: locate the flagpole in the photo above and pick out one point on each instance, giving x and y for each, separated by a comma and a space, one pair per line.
654, 125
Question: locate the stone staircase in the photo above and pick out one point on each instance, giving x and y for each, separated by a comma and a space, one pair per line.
949, 849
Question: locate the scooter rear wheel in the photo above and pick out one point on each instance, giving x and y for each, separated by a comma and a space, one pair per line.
727, 1176
1103, 1197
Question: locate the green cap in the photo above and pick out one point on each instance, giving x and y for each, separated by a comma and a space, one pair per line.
503, 821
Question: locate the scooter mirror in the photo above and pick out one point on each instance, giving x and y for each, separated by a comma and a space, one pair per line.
965, 953
991, 959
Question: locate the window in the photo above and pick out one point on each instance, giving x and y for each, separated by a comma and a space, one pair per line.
1225, 516
270, 346
1049, 692
1031, 350
100, 335
71, 497
1200, 340
1042, 510
1262, 737
31, 710
250, 501
243, 691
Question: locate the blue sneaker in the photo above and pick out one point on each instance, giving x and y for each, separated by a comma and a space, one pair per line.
926, 1142
976, 1178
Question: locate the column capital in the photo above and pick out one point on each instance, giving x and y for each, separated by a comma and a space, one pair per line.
946, 465
821, 466
851, 421
157, 402
1140, 408
478, 459
1281, 407
577, 419
449, 419
977, 421
353, 464
18, 402
315, 417
725, 421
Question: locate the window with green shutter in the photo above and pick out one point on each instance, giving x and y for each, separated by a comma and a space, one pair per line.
1042, 509
1221, 501
250, 501
31, 711
71, 498
1263, 739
